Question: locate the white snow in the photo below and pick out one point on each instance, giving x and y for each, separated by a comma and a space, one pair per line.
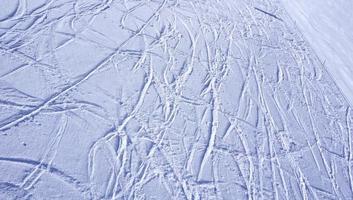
328, 27
174, 99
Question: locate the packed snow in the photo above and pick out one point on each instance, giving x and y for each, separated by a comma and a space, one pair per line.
328, 27
176, 99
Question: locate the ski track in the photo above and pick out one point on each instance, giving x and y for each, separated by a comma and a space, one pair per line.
167, 99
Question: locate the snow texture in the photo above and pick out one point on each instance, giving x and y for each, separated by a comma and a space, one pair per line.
173, 99
328, 25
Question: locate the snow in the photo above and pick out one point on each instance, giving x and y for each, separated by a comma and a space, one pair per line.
175, 99
328, 27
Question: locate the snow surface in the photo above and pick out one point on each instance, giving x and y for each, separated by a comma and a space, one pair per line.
172, 99
328, 26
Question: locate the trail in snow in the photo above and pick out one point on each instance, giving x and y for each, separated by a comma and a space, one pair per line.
167, 99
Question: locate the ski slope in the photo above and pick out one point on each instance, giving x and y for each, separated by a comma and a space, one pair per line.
168, 99
328, 27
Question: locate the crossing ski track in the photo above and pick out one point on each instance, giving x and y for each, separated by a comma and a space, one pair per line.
167, 99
